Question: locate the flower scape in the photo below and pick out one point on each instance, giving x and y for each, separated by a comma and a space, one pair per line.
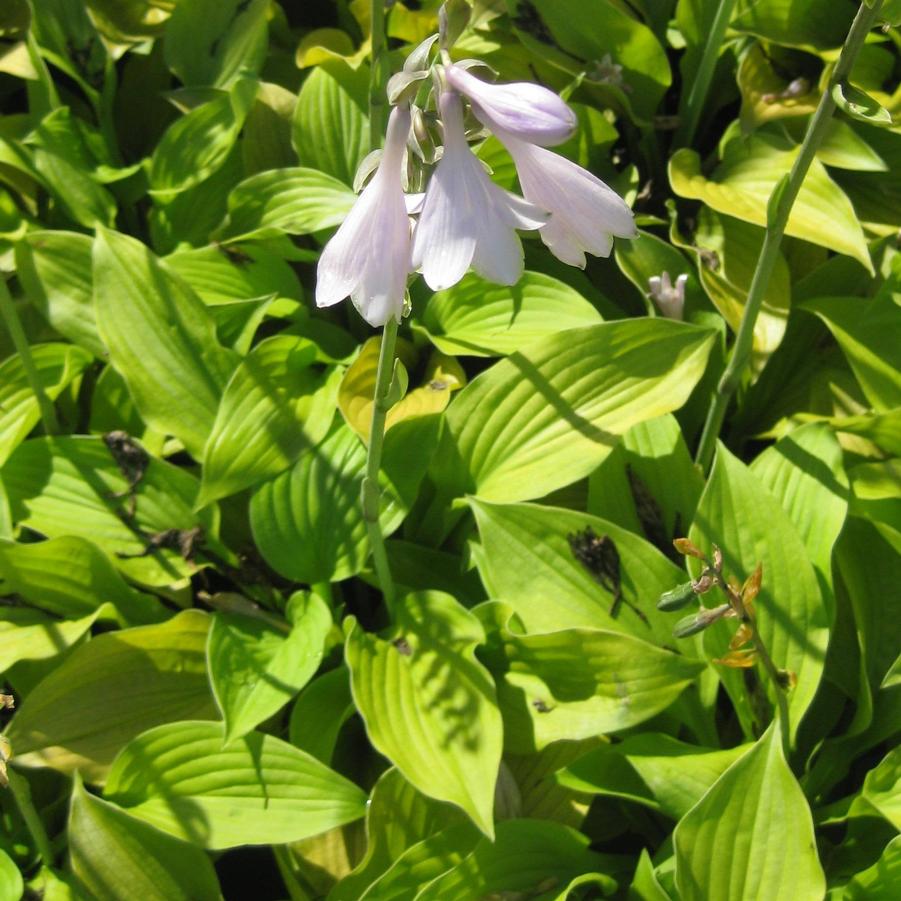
561, 562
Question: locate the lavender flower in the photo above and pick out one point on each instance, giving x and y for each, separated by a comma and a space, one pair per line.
527, 111
368, 258
585, 213
466, 219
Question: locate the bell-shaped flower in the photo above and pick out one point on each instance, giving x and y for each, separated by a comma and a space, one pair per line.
368, 258
466, 219
585, 213
527, 111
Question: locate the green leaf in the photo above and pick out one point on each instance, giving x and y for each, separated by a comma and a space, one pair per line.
79, 196
876, 497
749, 173
116, 856
479, 319
70, 577
858, 104
546, 416
319, 713
11, 885
451, 748
255, 668
527, 856
882, 790
577, 683
331, 125
879, 882
275, 406
589, 30
751, 835
526, 558
28, 634
651, 769
811, 25
68, 485
295, 201
398, 817
209, 42
869, 333
645, 886
259, 790
57, 366
308, 523
740, 516
221, 275
197, 145
55, 270
110, 690
161, 339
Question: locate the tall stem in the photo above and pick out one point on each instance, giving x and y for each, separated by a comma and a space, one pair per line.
777, 218
21, 792
20, 342
377, 77
697, 94
371, 492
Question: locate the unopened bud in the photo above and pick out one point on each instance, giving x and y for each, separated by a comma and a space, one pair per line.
676, 598
691, 625
703, 584
688, 548
717, 559
752, 585
669, 297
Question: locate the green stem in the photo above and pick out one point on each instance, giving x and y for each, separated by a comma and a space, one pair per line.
378, 76
21, 792
20, 342
697, 95
296, 891
371, 494
784, 196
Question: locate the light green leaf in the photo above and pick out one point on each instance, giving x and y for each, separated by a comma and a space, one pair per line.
259, 790
450, 748
319, 713
195, 146
528, 856
577, 683
880, 882
877, 498
11, 885
28, 634
869, 333
209, 42
274, 407
308, 523
751, 836
749, 173
858, 104
546, 416
527, 562
266, 140
116, 856
645, 886
295, 201
69, 485
70, 577
331, 125
55, 270
81, 198
57, 366
255, 668
479, 319
110, 690
740, 516
805, 24
652, 769
882, 790
398, 818
161, 339
222, 274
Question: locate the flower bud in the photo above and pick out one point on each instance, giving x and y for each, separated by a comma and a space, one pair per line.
691, 625
676, 598
688, 548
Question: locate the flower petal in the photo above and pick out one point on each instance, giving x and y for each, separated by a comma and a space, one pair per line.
527, 111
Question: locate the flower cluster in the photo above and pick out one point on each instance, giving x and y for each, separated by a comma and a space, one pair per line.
465, 220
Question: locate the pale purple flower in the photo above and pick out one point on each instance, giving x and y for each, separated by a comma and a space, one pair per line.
527, 111
368, 258
466, 219
585, 213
